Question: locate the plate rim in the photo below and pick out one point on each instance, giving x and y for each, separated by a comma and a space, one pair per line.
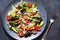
3, 22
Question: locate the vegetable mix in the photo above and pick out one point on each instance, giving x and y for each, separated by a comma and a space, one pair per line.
24, 19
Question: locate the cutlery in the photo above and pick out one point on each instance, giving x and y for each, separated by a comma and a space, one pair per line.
51, 22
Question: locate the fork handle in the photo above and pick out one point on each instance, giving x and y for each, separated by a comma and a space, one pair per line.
44, 36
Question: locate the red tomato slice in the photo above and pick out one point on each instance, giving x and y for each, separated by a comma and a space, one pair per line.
21, 34
27, 29
8, 18
27, 22
17, 20
29, 4
22, 28
24, 17
36, 28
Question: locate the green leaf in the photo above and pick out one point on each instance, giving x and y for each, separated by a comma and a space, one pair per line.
35, 4
17, 16
11, 23
24, 4
30, 18
18, 29
29, 9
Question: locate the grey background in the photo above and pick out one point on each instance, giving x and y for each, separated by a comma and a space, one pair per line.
51, 6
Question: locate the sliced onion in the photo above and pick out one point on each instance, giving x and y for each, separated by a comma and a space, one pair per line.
19, 26
18, 12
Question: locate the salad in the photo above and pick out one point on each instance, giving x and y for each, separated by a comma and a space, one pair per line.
24, 19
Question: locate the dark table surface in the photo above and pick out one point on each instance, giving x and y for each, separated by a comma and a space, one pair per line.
51, 6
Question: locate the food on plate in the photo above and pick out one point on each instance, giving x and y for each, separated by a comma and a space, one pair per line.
24, 19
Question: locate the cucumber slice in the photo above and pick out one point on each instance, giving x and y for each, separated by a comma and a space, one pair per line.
14, 29
41, 23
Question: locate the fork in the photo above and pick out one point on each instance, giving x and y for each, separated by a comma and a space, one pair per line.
51, 22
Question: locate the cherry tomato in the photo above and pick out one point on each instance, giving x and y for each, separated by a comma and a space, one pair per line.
22, 28
36, 28
17, 20
24, 17
8, 18
29, 4
27, 22
27, 29
21, 34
